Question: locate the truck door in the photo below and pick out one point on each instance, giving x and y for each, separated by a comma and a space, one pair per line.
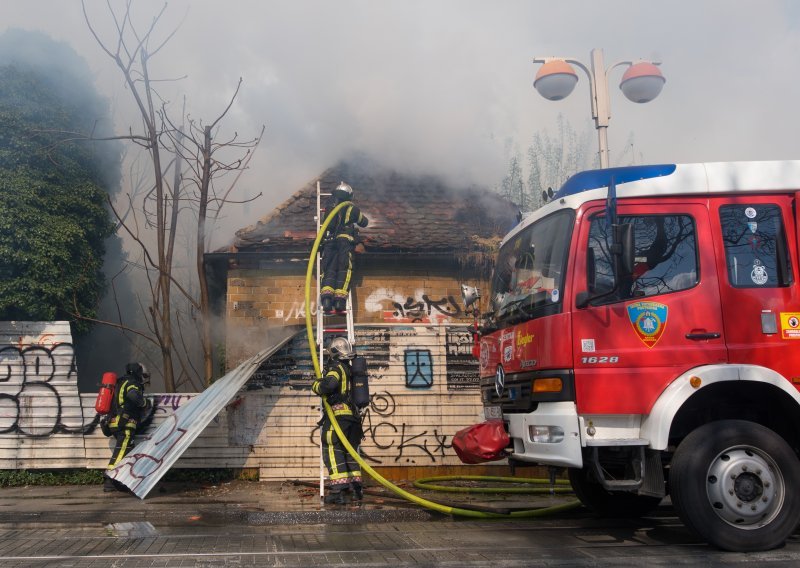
631, 344
758, 286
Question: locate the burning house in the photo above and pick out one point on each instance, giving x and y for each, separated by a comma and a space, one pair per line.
423, 241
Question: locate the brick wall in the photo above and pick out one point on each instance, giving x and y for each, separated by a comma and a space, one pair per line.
261, 299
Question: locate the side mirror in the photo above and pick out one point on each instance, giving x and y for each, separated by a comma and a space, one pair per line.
582, 299
623, 249
470, 295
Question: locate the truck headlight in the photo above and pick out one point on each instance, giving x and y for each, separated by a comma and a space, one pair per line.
546, 434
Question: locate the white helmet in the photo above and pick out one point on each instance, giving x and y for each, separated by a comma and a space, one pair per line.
340, 349
343, 192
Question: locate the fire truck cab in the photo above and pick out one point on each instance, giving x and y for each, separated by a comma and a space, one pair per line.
643, 331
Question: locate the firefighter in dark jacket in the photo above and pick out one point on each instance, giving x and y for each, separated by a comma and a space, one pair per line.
344, 473
337, 250
130, 411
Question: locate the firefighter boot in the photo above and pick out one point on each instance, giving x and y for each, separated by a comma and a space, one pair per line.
326, 304
340, 305
108, 484
335, 497
358, 491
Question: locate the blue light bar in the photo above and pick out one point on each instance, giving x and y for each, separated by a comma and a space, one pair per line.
593, 179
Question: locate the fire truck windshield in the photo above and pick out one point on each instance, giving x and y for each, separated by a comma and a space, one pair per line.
530, 269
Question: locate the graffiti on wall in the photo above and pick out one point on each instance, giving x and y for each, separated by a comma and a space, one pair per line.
400, 440
418, 365
409, 351
417, 308
39, 391
39, 394
391, 305
296, 311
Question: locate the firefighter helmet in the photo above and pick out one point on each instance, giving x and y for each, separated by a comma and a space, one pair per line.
340, 349
343, 192
137, 370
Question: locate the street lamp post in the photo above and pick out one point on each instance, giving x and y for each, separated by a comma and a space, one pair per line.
641, 83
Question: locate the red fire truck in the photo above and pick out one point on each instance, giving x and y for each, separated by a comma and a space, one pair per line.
643, 331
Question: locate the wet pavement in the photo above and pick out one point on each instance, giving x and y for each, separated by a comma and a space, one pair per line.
236, 502
243, 523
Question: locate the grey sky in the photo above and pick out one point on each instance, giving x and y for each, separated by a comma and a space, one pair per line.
441, 86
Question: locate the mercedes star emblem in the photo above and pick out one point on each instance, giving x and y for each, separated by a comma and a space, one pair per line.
499, 381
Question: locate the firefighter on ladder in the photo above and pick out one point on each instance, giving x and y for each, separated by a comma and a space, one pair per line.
130, 412
337, 251
336, 383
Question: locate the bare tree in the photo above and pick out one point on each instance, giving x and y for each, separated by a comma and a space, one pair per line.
164, 206
195, 145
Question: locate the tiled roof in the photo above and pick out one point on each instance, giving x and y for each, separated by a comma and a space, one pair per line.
410, 214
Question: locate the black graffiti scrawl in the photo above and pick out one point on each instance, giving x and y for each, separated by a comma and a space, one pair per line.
417, 311
39, 391
400, 442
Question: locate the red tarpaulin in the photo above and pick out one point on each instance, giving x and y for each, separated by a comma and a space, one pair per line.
482, 442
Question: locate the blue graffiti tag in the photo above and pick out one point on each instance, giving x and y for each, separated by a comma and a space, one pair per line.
419, 368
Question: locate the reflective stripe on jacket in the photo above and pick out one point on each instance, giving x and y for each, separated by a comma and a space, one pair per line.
335, 384
128, 403
344, 225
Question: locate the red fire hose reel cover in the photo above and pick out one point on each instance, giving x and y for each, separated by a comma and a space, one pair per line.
482, 442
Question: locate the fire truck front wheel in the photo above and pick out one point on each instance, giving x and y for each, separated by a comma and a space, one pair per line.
735, 483
605, 503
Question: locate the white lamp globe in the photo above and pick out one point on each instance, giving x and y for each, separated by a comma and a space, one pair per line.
642, 82
555, 80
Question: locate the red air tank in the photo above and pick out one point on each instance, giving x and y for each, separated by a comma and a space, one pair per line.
103, 402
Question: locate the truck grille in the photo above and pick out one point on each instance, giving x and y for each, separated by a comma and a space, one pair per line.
516, 395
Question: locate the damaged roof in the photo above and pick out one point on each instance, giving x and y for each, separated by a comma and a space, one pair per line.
406, 214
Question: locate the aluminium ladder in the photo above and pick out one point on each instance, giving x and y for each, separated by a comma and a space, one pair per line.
328, 325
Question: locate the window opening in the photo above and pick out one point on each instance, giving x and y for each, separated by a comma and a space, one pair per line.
755, 246
665, 258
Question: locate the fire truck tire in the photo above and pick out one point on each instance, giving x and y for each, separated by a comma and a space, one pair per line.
735, 483
605, 503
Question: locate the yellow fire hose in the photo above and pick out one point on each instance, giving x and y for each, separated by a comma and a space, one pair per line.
544, 485
449, 510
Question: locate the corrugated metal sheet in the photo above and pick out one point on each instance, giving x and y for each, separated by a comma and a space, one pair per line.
143, 468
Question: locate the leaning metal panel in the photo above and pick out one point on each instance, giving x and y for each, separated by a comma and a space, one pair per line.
151, 459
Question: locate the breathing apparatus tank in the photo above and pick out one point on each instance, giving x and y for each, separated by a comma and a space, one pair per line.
102, 403
360, 387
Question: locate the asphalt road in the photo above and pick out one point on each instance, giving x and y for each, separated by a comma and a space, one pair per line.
569, 539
